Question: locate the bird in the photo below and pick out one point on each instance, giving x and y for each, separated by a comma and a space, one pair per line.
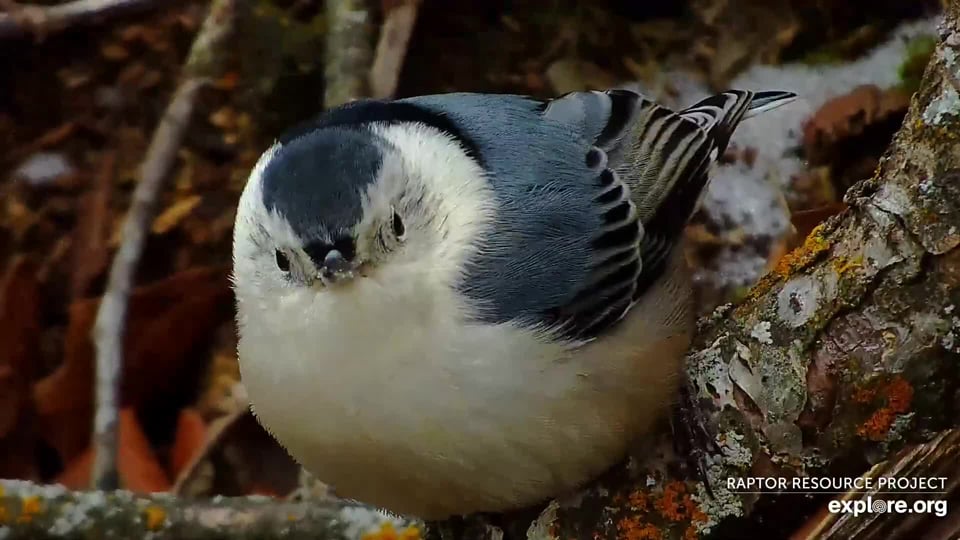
467, 302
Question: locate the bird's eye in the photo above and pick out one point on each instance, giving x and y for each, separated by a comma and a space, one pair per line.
398, 228
283, 263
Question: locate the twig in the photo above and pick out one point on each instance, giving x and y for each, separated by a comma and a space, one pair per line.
398, 23
348, 54
108, 333
29, 510
42, 20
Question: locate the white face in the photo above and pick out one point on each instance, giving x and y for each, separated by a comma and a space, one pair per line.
271, 259
420, 219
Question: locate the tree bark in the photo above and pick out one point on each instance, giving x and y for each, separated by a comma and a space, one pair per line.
39, 512
349, 52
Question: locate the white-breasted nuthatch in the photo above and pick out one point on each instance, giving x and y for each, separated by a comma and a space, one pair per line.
472, 302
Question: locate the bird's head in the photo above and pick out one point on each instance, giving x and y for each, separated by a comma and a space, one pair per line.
335, 208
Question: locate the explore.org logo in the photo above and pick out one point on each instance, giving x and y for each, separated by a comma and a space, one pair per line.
884, 506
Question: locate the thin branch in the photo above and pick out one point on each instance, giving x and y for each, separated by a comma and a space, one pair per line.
348, 54
398, 23
42, 20
29, 510
108, 332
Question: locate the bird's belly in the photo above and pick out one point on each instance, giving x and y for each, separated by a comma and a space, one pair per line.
475, 418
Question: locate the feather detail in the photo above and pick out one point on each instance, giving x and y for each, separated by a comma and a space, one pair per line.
658, 160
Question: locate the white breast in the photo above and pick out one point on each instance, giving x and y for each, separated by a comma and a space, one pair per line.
387, 394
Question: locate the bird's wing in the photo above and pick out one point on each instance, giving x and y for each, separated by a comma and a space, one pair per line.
654, 164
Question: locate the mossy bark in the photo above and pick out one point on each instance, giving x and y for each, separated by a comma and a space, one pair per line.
39, 512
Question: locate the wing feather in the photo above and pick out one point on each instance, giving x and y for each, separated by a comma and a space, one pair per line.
655, 165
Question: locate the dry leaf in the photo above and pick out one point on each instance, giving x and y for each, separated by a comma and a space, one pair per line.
19, 339
114, 51
166, 320
175, 213
190, 438
224, 118
848, 116
90, 250
137, 463
19, 354
570, 75
255, 461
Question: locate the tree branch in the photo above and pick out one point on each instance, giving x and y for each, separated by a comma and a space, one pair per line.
348, 54
20, 20
398, 21
202, 64
31, 511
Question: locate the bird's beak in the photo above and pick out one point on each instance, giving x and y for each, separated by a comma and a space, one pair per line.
335, 268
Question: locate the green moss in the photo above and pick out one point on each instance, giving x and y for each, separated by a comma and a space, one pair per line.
919, 50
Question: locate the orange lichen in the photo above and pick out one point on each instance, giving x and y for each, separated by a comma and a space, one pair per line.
899, 395
801, 257
877, 426
639, 501
693, 511
388, 532
154, 517
864, 395
30, 508
814, 245
671, 503
631, 528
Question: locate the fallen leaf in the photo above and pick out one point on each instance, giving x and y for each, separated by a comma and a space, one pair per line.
90, 249
848, 116
19, 339
188, 441
137, 463
229, 81
19, 351
166, 320
114, 51
571, 74
224, 118
254, 461
171, 217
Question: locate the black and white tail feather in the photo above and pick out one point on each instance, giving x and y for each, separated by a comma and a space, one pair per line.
653, 167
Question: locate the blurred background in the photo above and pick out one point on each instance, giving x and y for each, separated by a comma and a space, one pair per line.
79, 105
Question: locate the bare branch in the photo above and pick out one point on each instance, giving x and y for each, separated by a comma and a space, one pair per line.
29, 510
108, 333
348, 54
398, 23
42, 20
